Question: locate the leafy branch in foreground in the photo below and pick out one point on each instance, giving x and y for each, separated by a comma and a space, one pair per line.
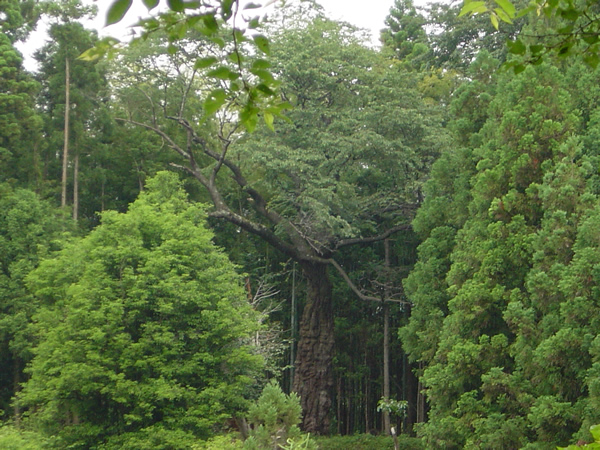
574, 29
228, 25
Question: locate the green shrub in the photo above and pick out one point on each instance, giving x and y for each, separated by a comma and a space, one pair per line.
367, 442
222, 442
274, 419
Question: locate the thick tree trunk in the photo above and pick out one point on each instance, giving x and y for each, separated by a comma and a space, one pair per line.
313, 379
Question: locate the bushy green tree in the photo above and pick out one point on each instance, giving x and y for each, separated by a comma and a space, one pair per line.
144, 338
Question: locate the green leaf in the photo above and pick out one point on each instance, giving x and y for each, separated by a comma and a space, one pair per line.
517, 47
590, 39
253, 23
210, 22
203, 63
568, 29
570, 14
264, 75
252, 6
249, 118
518, 68
268, 118
525, 11
262, 87
235, 57
565, 49
150, 4
223, 73
176, 5
104, 48
592, 60
214, 101
536, 49
117, 11
262, 43
494, 20
507, 7
595, 430
502, 15
261, 64
226, 9
472, 7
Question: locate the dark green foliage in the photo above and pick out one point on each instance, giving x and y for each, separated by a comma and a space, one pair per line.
506, 271
20, 126
144, 338
30, 229
405, 32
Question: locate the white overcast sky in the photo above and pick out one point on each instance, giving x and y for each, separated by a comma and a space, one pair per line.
368, 14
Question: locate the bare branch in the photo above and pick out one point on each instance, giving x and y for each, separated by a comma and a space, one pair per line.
161, 133
357, 291
151, 104
368, 240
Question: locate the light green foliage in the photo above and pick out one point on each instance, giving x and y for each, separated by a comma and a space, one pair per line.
12, 438
274, 419
221, 442
143, 340
393, 407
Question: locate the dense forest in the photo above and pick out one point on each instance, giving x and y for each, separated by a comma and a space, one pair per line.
255, 231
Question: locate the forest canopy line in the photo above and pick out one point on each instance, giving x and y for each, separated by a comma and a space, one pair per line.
401, 236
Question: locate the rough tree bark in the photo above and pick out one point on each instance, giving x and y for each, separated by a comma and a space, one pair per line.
313, 380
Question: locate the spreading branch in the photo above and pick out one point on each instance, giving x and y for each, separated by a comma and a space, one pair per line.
368, 240
357, 291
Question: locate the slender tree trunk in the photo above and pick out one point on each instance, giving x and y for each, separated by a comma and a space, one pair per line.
16, 389
421, 406
65, 162
76, 188
339, 405
313, 379
386, 342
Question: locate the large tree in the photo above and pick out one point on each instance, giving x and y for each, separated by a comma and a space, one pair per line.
346, 170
